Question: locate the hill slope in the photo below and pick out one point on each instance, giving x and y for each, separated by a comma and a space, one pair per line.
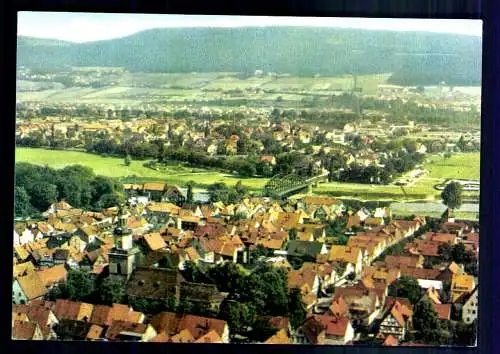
414, 57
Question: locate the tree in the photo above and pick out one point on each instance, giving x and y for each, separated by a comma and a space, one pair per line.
459, 254
22, 206
407, 287
452, 195
262, 330
109, 200
461, 144
292, 234
444, 251
189, 196
228, 277
236, 314
259, 251
42, 195
296, 310
79, 285
426, 323
128, 160
111, 291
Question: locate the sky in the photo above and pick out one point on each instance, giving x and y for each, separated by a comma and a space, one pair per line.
85, 27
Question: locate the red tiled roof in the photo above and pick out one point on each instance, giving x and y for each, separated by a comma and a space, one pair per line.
443, 311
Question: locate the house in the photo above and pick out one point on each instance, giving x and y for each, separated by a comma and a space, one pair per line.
53, 275
324, 329
307, 281
360, 304
88, 234
21, 269
40, 314
154, 284
129, 331
194, 327
205, 295
396, 321
416, 261
349, 255
470, 307
103, 315
95, 333
26, 331
66, 310
305, 249
154, 241
268, 159
154, 191
461, 286
280, 337
27, 288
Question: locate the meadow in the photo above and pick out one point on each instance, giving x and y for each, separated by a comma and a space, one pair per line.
137, 88
175, 173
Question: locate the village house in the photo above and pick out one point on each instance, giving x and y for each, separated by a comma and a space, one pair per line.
461, 286
350, 255
195, 327
28, 288
324, 330
396, 321
470, 307
22, 330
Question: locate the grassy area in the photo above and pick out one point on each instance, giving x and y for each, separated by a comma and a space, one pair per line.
465, 166
114, 167
460, 166
127, 87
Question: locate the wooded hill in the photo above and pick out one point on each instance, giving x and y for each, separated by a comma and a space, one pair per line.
415, 58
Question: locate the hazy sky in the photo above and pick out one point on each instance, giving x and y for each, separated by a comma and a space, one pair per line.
83, 27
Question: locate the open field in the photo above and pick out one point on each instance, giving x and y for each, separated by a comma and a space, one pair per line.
464, 166
114, 167
460, 166
163, 86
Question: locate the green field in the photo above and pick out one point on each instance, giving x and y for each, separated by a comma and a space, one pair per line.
463, 166
189, 86
459, 166
114, 167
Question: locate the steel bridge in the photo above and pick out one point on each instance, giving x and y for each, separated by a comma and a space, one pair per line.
283, 185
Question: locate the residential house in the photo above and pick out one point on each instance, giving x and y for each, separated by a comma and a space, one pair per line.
362, 305
53, 275
307, 281
396, 321
39, 314
305, 249
349, 255
196, 326
324, 330
154, 191
26, 331
129, 331
470, 308
28, 288
461, 285
154, 284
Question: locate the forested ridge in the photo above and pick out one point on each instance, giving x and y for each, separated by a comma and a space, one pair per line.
415, 58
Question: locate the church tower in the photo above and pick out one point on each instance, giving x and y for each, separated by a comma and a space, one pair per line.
123, 256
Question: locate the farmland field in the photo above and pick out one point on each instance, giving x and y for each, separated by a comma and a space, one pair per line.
189, 86
114, 167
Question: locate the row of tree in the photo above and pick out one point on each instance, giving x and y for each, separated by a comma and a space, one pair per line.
37, 187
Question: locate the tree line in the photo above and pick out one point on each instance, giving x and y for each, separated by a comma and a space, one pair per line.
38, 187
